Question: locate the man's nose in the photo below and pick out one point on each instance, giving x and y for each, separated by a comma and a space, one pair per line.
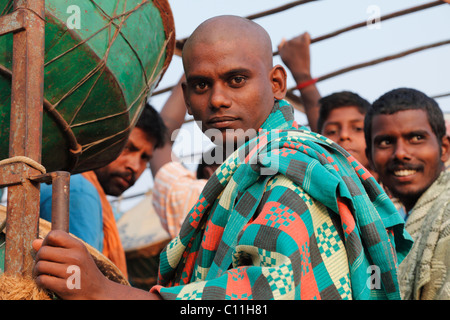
134, 163
219, 97
401, 151
344, 134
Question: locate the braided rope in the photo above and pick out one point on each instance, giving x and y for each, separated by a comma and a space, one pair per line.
22, 159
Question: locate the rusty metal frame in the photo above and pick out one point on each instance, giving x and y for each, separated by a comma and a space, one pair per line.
27, 23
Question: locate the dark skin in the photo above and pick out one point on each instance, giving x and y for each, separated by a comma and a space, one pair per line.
57, 252
257, 88
295, 54
407, 154
232, 89
122, 173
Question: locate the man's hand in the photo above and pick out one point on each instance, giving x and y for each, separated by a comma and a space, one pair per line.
65, 267
296, 56
60, 257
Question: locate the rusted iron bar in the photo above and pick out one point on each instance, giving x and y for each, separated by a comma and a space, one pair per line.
180, 43
60, 181
378, 60
383, 59
60, 201
11, 23
443, 95
25, 132
382, 18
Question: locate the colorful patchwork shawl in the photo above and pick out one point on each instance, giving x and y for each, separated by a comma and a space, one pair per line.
290, 215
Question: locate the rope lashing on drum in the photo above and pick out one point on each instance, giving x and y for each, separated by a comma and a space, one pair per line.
102, 64
117, 19
8, 7
149, 77
75, 148
144, 92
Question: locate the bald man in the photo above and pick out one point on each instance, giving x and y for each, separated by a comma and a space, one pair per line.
288, 215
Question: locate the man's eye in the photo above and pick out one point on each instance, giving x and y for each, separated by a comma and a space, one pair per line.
237, 81
200, 85
384, 142
330, 131
417, 138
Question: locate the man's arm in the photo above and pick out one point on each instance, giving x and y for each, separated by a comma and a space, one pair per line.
296, 56
173, 114
55, 256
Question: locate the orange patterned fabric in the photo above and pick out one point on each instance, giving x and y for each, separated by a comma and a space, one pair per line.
112, 246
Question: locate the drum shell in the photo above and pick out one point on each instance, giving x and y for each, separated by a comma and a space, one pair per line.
96, 78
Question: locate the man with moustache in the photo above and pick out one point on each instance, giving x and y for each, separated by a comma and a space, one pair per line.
91, 215
289, 215
408, 147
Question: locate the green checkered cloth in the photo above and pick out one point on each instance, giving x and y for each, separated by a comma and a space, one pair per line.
289, 215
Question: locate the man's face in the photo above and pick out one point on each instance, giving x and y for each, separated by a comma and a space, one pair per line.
229, 90
123, 172
345, 126
406, 153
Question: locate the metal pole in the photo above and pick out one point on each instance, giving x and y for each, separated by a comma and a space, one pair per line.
27, 95
60, 200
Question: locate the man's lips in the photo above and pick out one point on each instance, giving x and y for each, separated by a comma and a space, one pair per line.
404, 172
124, 181
221, 122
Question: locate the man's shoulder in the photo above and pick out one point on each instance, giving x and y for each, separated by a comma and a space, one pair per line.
438, 194
173, 171
78, 183
442, 187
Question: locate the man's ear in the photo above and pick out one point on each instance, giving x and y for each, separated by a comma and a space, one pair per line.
188, 106
279, 81
445, 148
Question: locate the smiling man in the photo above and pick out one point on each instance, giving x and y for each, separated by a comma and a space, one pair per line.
408, 147
91, 216
307, 228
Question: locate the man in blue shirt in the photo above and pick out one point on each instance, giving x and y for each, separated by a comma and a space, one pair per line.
86, 210
86, 220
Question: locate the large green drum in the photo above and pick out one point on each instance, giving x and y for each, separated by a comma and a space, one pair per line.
102, 60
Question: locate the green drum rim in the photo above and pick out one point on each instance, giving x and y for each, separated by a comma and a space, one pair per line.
97, 78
